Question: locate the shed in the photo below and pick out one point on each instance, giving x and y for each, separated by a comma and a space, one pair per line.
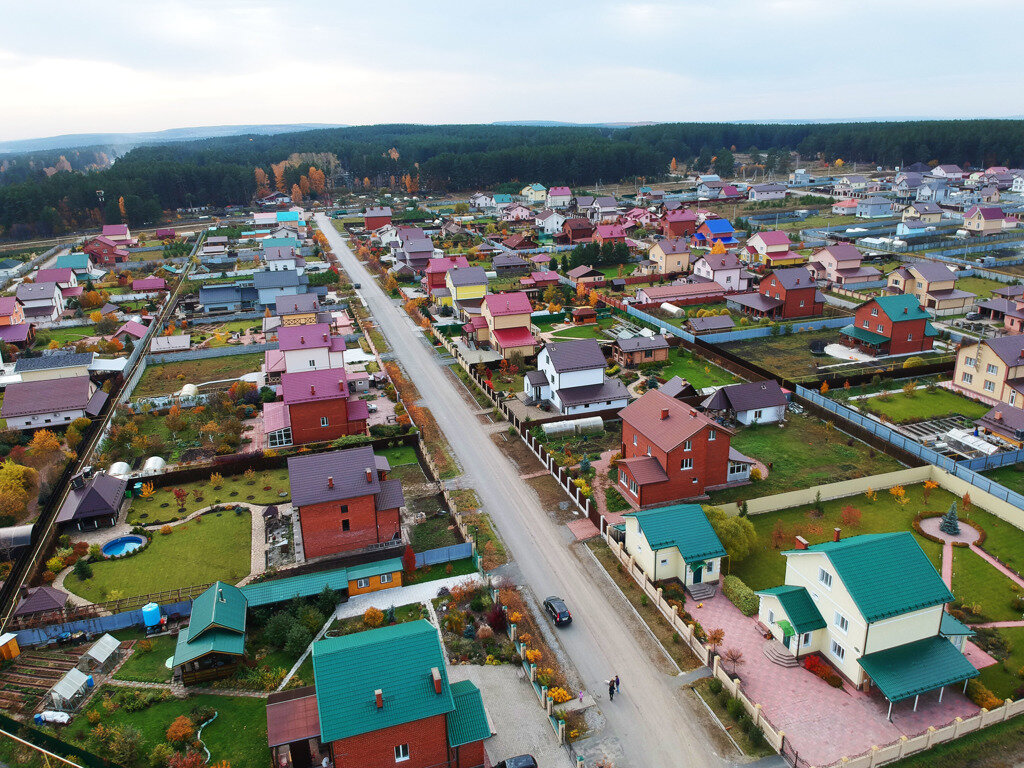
70, 689
104, 653
9, 648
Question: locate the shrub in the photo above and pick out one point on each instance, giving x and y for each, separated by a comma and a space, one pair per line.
496, 619
714, 685
979, 693
740, 595
161, 756
55, 564
745, 723
180, 730
734, 707
93, 716
82, 570
484, 632
373, 617
167, 530
755, 474
298, 638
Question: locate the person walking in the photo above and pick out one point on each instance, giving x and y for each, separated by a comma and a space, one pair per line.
616, 683
611, 690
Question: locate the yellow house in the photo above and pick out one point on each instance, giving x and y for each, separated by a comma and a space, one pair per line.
372, 577
984, 220
534, 193
873, 607
675, 542
992, 370
464, 283
934, 286
506, 317
670, 255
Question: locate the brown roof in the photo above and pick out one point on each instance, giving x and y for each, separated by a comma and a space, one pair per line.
292, 716
683, 421
645, 470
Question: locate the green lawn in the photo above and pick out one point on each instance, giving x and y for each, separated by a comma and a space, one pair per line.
402, 454
1011, 476
66, 335
922, 404
820, 220
232, 488
612, 270
462, 567
977, 582
147, 666
238, 735
352, 624
615, 500
803, 454
1002, 678
434, 532
163, 379
1005, 541
591, 331
195, 553
696, 370
981, 286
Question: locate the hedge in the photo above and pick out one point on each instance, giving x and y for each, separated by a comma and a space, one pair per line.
740, 594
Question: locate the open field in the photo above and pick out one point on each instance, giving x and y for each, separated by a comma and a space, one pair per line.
921, 404
168, 378
980, 286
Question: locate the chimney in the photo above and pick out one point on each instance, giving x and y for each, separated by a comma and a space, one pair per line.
837, 534
801, 542
302, 339
664, 413
436, 675
341, 385
999, 415
369, 475
312, 389
693, 411
330, 482
379, 696
904, 310
325, 337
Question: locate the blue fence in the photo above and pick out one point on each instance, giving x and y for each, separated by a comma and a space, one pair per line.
444, 554
757, 333
100, 624
994, 461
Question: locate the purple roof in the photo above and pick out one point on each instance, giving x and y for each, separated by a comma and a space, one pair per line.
774, 237
115, 229
932, 272
26, 398
149, 284
313, 336
747, 396
311, 386
62, 275
333, 476
673, 245
40, 599
300, 303
7, 305
14, 334
792, 277
132, 328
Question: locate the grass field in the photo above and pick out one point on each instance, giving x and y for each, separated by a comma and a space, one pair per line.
804, 453
232, 488
64, 335
168, 378
1011, 477
592, 331
975, 581
922, 404
402, 454
612, 270
981, 286
1002, 678
817, 221
696, 370
434, 532
147, 666
195, 553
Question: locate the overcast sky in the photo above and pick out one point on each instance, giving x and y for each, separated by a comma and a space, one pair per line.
112, 66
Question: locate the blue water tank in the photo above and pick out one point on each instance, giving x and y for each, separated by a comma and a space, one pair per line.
38, 718
89, 682
151, 614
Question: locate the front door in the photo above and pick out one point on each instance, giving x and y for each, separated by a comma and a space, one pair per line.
789, 641
698, 574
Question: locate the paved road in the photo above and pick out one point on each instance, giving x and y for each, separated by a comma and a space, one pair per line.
651, 723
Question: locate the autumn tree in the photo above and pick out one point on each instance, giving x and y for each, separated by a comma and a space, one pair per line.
181, 730
122, 209
279, 183
44, 445
674, 165
304, 185
318, 180
16, 481
175, 420
296, 194
210, 430
262, 182
593, 298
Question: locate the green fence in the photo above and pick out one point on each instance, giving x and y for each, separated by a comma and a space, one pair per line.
51, 744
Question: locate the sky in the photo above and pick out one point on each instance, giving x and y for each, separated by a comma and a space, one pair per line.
116, 66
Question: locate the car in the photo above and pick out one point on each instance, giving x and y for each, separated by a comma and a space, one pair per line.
519, 761
371, 407
357, 286
973, 316
559, 611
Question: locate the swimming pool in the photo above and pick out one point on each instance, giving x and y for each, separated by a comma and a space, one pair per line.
122, 545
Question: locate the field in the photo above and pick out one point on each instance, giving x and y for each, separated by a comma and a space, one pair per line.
922, 404
168, 378
162, 507
981, 286
1011, 477
696, 370
827, 220
804, 453
592, 331
195, 553
64, 336
433, 533
147, 666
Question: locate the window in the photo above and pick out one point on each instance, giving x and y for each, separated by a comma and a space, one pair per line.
363, 584
838, 651
771, 616
991, 369
825, 578
920, 284
401, 753
709, 567
874, 312
880, 328
842, 622
1013, 398
385, 578
687, 445
801, 302
648, 450
969, 361
324, 421
805, 639
990, 386
910, 337
346, 524
967, 378
757, 414
686, 464
634, 439
866, 324
312, 363
712, 435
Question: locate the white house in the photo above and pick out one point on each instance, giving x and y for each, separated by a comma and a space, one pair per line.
675, 542
50, 403
41, 301
559, 197
516, 212
954, 172
549, 222
724, 269
572, 378
310, 347
759, 192
603, 208
481, 200
755, 402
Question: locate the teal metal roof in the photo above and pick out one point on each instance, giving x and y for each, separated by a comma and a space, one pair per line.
917, 667
683, 526
280, 590
364, 571
397, 660
886, 574
222, 606
863, 334
468, 721
797, 603
286, 242
72, 260
211, 641
894, 307
929, 330
951, 626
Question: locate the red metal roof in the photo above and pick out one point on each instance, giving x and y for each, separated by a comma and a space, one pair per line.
292, 719
507, 338
507, 303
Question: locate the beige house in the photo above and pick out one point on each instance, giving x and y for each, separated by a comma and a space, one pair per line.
875, 623
934, 285
992, 370
984, 220
670, 255
62, 365
927, 212
506, 324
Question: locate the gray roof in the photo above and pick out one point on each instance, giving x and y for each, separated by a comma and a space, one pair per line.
1009, 349
49, 362
1003, 419
926, 207
536, 378
933, 272
508, 260
35, 291
15, 536
309, 473
303, 302
605, 201
609, 389
791, 277
677, 387
711, 323
575, 355
747, 396
41, 599
281, 278
642, 343
467, 276
100, 495
390, 495
216, 294
673, 245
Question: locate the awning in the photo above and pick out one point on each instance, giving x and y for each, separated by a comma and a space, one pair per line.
862, 334
786, 627
917, 667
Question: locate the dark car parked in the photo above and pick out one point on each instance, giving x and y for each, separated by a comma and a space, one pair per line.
558, 610
520, 761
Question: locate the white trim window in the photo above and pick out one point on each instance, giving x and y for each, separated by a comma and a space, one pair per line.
825, 578
362, 583
688, 445
401, 753
837, 651
712, 435
385, 578
967, 378
990, 386
686, 464
991, 368
841, 622
324, 421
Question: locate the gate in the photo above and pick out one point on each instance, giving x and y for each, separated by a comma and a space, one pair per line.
791, 756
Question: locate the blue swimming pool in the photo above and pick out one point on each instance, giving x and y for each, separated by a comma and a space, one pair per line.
122, 545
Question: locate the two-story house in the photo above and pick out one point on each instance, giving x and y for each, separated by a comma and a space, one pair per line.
928, 212
877, 623
672, 451
549, 221
840, 264
772, 249
603, 208
213, 643
303, 309
376, 217
516, 212
435, 276
670, 255
105, 252
681, 222
345, 501
933, 285
637, 350
534, 194
724, 269
577, 230
464, 284
570, 376
782, 294
507, 324
992, 370
41, 302
609, 233
713, 231
890, 325
984, 220
559, 197
948, 171
272, 283
874, 207
310, 348
317, 406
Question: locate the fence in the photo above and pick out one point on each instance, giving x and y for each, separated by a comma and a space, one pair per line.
99, 624
994, 461
206, 354
444, 554
540, 691
50, 747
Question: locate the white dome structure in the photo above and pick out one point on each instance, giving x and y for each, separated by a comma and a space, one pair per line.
153, 466
189, 390
119, 469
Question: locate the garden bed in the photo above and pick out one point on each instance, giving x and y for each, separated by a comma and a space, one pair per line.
264, 488
473, 627
168, 378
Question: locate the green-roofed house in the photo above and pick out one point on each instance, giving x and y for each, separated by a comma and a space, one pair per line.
214, 641
534, 194
79, 263
890, 325
874, 607
382, 698
676, 542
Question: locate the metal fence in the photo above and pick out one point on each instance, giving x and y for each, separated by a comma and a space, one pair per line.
444, 554
97, 625
206, 354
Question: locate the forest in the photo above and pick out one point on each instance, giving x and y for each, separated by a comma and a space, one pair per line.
42, 198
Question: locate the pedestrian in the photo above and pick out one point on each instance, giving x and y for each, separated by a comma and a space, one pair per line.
611, 690
616, 683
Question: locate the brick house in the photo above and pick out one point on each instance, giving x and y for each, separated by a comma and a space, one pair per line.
317, 407
577, 230
382, 698
104, 251
714, 231
672, 451
933, 285
890, 325
375, 218
782, 294
679, 223
640, 349
609, 233
345, 501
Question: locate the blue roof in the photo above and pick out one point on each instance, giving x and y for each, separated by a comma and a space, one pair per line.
288, 216
718, 225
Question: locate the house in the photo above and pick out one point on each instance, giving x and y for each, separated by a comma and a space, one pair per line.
933, 285
376, 217
481, 201
639, 350
638, 217
724, 269
119, 233
984, 220
213, 643
80, 262
414, 248
675, 543
507, 324
435, 276
549, 222
516, 212
317, 407
64, 277
54, 365
670, 255
609, 233
772, 249
345, 501
105, 252
149, 284
509, 265
874, 207
949, 172
928, 212
41, 302
465, 283
40, 600
300, 309
844, 208
679, 223
130, 330
906, 184
755, 402
92, 502
672, 451
502, 200
991, 370
603, 208
9, 268
538, 282
1004, 421
227, 298
534, 194
11, 312
782, 294
711, 189
559, 197
713, 231
577, 230
585, 274
935, 190
760, 192
50, 403
310, 347
703, 292
890, 325
710, 324
519, 242
840, 264
571, 377
382, 697
878, 625
271, 283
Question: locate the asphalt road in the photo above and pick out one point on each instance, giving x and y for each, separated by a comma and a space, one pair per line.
652, 722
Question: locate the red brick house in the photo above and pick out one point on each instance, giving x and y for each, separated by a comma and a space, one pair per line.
519, 242
609, 233
345, 501
105, 251
317, 407
672, 451
382, 698
437, 269
890, 325
679, 223
375, 218
577, 230
782, 294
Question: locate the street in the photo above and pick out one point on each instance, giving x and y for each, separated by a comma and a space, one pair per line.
653, 722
